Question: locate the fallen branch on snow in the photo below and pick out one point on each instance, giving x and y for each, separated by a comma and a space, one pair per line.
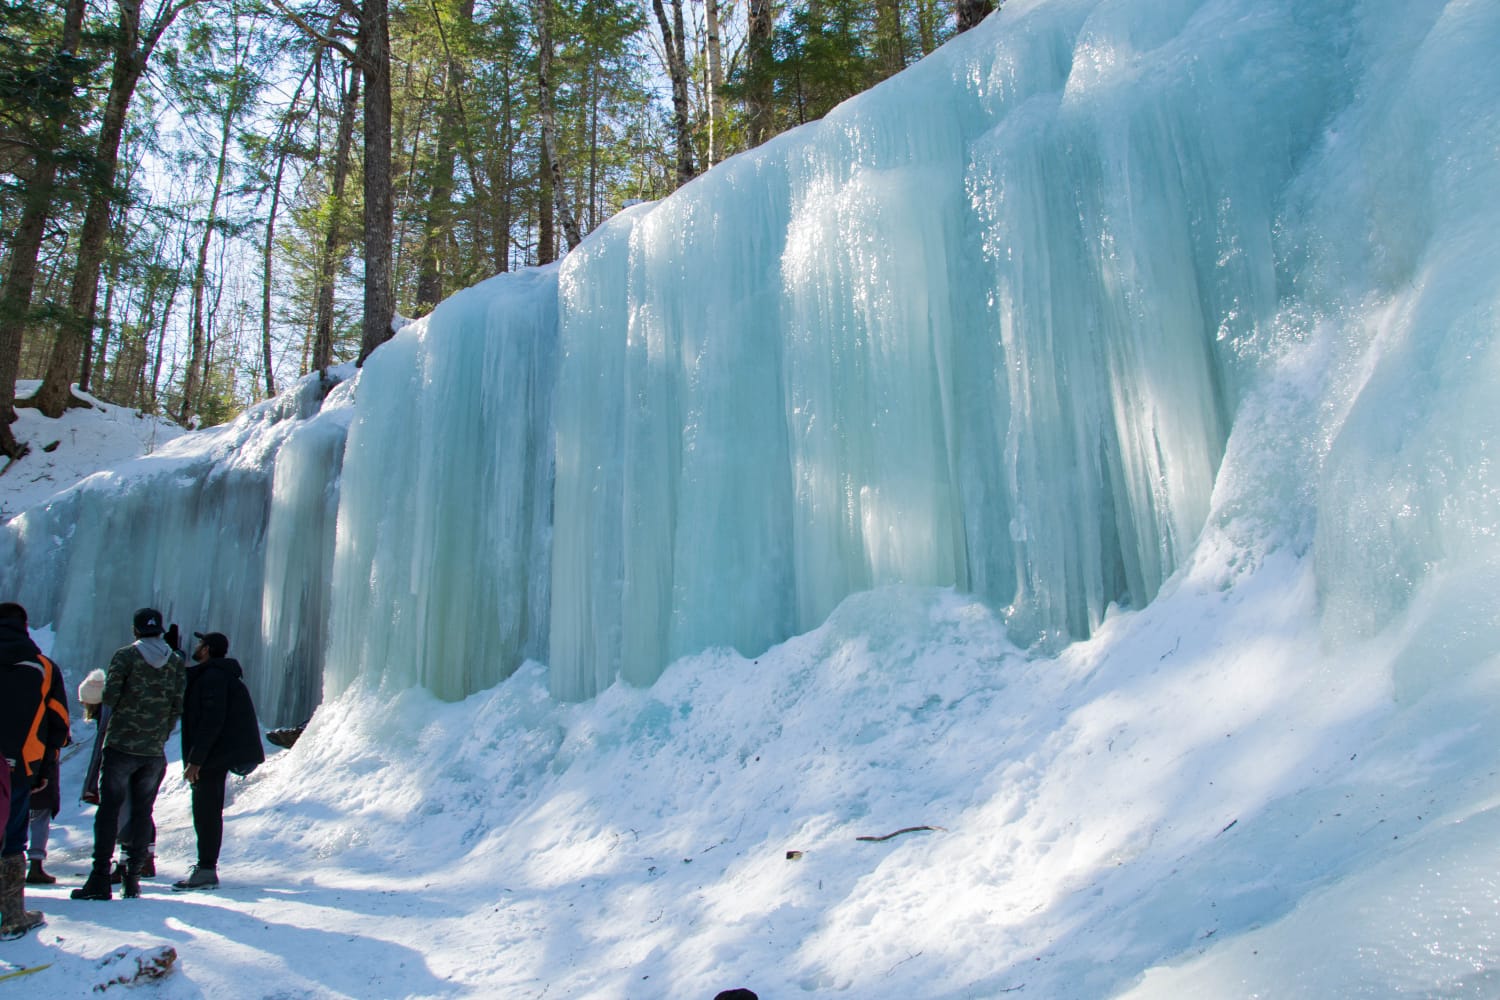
906, 829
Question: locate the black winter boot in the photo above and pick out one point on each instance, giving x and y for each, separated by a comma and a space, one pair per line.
130, 880
97, 886
36, 876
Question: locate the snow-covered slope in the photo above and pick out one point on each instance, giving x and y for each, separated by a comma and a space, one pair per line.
74, 446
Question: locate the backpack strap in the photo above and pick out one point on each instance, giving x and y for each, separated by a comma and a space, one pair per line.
35, 749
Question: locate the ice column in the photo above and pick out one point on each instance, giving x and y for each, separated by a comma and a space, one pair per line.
440, 573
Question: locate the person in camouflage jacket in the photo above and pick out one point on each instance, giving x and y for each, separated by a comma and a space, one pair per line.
143, 689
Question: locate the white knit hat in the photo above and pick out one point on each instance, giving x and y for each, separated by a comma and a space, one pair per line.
91, 691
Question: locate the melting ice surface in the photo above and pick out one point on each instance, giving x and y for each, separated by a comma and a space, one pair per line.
1106, 307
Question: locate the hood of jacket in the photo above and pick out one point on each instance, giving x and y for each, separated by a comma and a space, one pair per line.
228, 664
154, 650
16, 644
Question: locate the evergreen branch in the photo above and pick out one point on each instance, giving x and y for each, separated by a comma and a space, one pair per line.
318, 36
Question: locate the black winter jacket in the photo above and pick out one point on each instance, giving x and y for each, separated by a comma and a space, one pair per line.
29, 737
219, 728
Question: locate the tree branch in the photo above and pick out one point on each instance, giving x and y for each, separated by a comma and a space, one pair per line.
318, 36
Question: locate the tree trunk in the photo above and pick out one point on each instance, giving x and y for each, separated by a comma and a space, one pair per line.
267, 256
333, 239
971, 12
132, 51
501, 221
761, 72
104, 327
927, 22
890, 40
593, 184
672, 36
546, 232
268, 250
191, 383
552, 158
439, 222
715, 84
26, 242
374, 50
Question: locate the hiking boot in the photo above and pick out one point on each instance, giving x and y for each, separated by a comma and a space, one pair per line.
199, 878
148, 867
130, 880
118, 874
36, 876
97, 886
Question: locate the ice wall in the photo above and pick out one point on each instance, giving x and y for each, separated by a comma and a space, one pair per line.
1405, 186
440, 568
227, 531
984, 326
1009, 322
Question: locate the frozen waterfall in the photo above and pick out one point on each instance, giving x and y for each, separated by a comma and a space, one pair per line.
984, 326
1003, 323
229, 530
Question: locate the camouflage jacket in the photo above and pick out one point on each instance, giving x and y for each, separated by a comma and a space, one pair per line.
145, 701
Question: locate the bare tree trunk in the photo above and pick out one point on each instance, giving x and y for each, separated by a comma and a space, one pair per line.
166, 319
971, 12
267, 254
267, 258
105, 325
593, 185
26, 242
198, 356
333, 239
715, 84
673, 40
552, 164
546, 233
374, 49
501, 221
758, 53
439, 222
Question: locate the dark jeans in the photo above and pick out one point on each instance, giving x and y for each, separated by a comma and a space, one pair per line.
208, 814
20, 812
126, 777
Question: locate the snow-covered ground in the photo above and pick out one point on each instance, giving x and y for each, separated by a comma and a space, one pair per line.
1196, 802
81, 442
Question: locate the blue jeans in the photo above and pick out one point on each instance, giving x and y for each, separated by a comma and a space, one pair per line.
20, 813
41, 832
126, 778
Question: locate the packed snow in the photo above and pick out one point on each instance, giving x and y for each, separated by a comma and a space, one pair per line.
1195, 794
1142, 643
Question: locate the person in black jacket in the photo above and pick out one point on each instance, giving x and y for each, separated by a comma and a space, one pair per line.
219, 734
33, 728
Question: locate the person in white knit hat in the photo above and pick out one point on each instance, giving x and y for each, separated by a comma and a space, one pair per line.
91, 693
91, 689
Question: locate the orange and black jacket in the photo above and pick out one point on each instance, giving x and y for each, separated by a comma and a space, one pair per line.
33, 703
